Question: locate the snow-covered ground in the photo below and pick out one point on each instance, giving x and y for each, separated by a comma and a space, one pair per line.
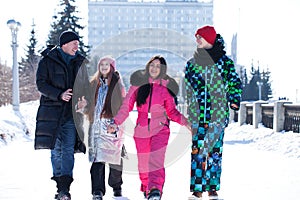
257, 164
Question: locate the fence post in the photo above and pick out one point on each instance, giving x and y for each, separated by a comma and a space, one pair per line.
257, 113
278, 116
242, 113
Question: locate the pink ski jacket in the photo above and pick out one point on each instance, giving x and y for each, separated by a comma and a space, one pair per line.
155, 115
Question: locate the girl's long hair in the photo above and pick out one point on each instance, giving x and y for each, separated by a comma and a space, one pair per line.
114, 97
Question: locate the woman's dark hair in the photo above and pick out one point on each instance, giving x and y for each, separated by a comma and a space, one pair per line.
144, 90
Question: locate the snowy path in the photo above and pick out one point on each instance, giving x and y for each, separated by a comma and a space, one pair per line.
254, 174
257, 165
247, 173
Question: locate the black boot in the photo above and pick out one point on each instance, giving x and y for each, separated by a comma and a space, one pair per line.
117, 192
97, 195
154, 194
56, 179
64, 196
63, 184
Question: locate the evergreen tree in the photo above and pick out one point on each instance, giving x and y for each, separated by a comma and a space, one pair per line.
27, 71
244, 79
66, 19
266, 85
251, 88
5, 85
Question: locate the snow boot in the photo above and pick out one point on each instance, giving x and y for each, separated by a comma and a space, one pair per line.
154, 194
97, 195
117, 192
64, 196
196, 196
63, 184
213, 195
55, 178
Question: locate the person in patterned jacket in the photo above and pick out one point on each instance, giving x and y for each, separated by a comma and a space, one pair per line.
212, 86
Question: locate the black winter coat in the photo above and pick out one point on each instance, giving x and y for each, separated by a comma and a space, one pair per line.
52, 79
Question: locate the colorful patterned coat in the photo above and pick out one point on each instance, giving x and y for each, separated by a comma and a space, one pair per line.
210, 89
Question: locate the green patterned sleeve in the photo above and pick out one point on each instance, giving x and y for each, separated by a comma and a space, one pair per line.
233, 82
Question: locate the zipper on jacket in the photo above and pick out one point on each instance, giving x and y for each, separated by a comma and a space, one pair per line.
205, 93
149, 105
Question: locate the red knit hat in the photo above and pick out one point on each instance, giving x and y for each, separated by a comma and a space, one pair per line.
208, 33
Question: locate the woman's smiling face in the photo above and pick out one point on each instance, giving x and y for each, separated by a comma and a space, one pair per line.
104, 68
154, 68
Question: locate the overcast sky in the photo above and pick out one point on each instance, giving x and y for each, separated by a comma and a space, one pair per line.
267, 33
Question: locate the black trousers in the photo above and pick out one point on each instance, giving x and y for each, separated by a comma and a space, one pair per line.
98, 176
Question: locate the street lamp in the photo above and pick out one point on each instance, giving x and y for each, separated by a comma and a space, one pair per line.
259, 84
14, 27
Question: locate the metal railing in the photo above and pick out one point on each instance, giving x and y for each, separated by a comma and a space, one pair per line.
281, 116
292, 118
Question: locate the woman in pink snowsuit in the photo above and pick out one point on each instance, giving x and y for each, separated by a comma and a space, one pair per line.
151, 90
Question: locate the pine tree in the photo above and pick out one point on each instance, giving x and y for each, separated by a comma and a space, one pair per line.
66, 19
251, 88
266, 86
27, 71
5, 85
244, 79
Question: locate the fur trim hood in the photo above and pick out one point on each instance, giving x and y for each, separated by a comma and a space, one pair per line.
139, 78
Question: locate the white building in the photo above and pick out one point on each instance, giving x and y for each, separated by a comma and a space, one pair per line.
123, 29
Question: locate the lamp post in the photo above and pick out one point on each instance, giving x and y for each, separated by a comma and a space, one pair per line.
259, 84
14, 27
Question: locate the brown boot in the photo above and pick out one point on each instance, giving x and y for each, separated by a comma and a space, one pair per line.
196, 196
212, 195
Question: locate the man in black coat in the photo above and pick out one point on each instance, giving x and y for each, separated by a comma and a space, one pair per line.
55, 121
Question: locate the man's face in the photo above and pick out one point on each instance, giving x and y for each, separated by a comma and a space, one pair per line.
202, 43
71, 47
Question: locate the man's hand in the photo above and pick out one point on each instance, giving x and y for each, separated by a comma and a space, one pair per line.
67, 95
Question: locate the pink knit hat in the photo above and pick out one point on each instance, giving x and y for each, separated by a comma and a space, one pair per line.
109, 59
208, 33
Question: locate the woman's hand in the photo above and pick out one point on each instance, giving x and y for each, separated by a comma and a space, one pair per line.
112, 128
81, 104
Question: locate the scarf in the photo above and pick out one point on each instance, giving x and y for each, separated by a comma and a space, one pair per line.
205, 57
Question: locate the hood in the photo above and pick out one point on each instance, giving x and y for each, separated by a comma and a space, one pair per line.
139, 78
